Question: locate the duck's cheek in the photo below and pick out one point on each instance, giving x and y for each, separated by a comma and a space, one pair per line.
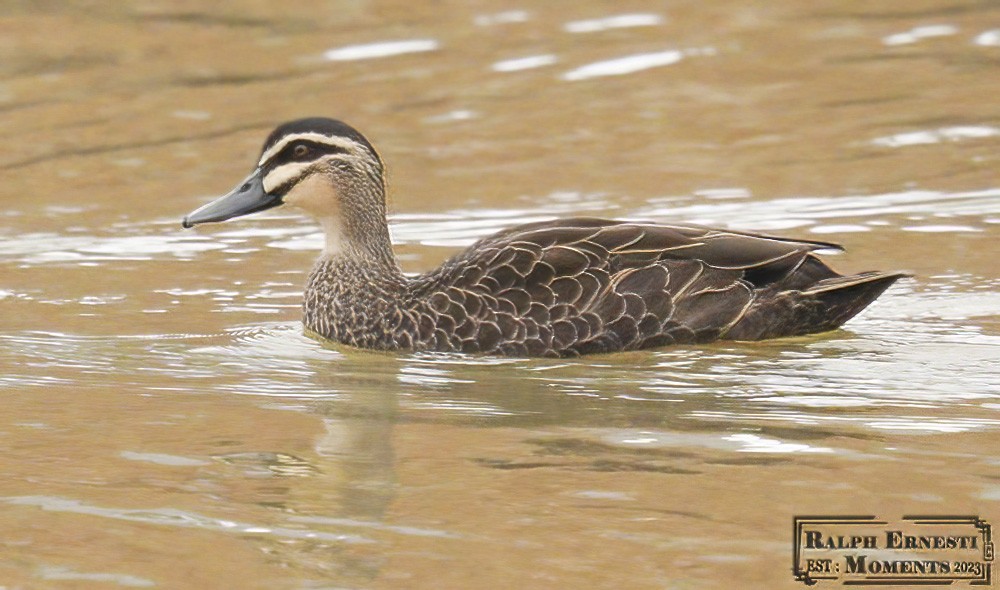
314, 195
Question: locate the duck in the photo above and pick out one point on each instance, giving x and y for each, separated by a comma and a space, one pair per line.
560, 288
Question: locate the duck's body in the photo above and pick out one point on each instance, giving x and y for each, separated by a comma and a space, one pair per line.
559, 288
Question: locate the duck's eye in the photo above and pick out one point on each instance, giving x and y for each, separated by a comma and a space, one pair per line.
301, 150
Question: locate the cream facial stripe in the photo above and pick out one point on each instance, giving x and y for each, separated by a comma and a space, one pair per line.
284, 174
338, 142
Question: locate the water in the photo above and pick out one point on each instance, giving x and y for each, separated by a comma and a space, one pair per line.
162, 406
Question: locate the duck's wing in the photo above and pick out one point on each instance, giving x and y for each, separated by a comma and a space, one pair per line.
622, 232
584, 285
620, 245
623, 244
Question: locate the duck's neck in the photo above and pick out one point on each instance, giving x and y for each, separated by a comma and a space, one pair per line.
356, 290
368, 245
358, 231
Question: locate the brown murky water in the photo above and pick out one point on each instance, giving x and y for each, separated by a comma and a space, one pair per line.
166, 424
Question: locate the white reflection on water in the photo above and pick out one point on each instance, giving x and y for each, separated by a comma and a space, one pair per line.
460, 407
624, 65
524, 63
501, 18
740, 442
451, 116
380, 49
843, 228
989, 38
751, 443
918, 33
954, 133
162, 459
620, 21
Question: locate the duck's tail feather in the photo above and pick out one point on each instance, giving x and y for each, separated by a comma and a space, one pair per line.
823, 306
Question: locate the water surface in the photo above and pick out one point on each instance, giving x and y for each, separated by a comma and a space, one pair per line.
166, 424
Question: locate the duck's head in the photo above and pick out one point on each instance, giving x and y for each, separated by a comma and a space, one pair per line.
322, 166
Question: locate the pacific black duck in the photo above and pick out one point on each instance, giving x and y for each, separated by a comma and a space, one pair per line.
555, 288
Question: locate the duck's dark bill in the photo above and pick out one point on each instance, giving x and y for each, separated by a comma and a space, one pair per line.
248, 197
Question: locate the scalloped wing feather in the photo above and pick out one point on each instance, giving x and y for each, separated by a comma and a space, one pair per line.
575, 286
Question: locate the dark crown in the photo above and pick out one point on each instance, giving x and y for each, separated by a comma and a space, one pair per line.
321, 125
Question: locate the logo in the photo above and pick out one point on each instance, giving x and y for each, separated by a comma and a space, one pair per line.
917, 550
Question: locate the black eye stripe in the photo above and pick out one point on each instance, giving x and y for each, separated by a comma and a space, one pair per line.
313, 149
293, 152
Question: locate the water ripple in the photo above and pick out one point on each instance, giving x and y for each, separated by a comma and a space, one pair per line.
41, 248
916, 424
914, 352
461, 227
799, 211
179, 518
66, 574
